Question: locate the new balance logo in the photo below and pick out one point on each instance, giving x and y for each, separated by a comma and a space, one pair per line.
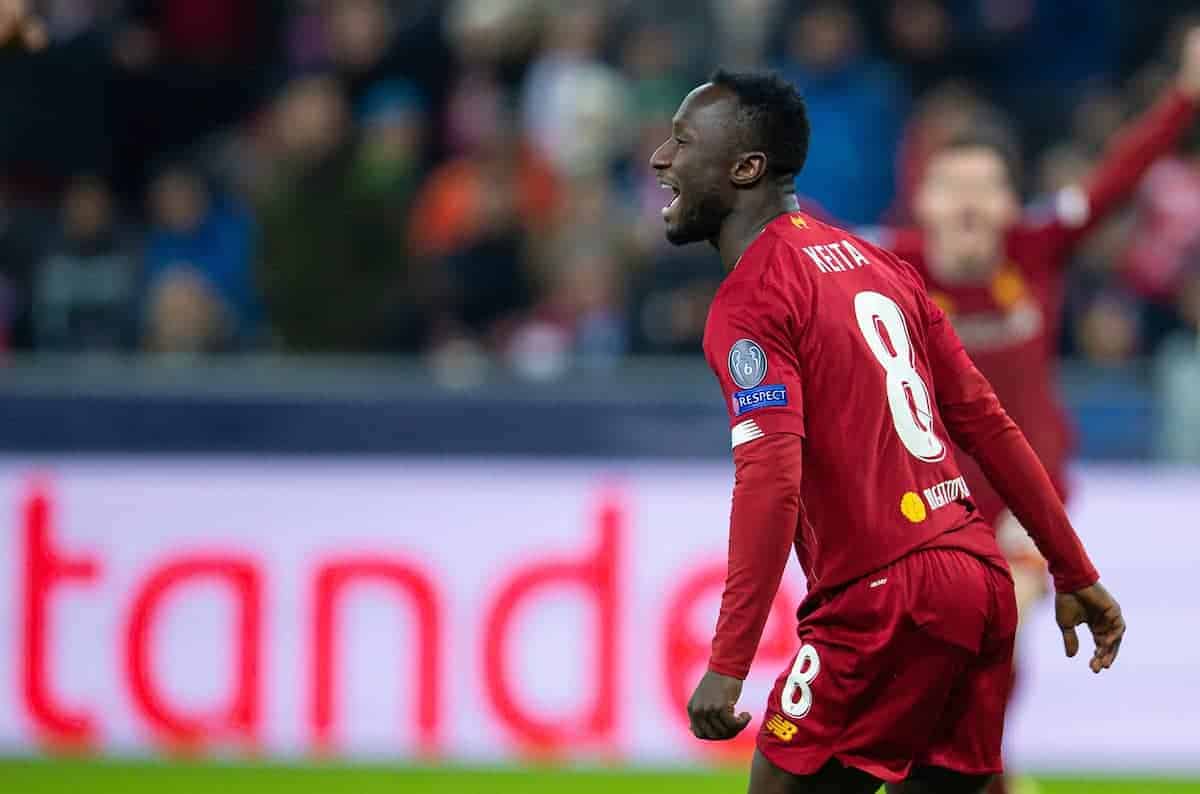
781, 728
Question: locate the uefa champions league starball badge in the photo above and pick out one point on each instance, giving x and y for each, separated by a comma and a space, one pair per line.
747, 363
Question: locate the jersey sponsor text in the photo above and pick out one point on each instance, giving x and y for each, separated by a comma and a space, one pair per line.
944, 493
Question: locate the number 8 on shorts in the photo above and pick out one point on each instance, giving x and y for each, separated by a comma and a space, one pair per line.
797, 696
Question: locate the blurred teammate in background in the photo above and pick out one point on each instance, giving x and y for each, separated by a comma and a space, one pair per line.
836, 365
999, 274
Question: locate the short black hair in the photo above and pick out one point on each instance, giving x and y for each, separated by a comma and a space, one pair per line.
993, 135
772, 116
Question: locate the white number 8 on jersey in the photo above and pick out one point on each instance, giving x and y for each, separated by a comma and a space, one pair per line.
797, 696
908, 397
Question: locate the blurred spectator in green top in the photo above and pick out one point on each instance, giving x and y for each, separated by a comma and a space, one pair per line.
331, 264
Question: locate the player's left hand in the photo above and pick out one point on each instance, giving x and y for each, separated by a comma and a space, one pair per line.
1096, 608
1189, 64
711, 709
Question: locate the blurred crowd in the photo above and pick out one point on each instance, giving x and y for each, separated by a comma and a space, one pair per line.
467, 179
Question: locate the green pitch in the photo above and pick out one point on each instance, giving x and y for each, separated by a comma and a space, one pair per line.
95, 777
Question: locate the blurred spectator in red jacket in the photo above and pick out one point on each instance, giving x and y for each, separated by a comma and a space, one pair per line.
1167, 217
472, 221
501, 184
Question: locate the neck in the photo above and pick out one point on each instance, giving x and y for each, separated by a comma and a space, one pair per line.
744, 224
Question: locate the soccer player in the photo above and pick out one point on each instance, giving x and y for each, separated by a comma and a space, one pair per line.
846, 388
999, 276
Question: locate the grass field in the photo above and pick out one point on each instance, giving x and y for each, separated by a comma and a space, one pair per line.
86, 777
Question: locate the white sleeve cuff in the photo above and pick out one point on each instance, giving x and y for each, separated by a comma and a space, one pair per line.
746, 431
1071, 206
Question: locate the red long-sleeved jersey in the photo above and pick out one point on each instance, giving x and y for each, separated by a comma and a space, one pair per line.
847, 388
1010, 323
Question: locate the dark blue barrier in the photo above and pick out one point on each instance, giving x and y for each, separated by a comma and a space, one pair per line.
290, 426
652, 409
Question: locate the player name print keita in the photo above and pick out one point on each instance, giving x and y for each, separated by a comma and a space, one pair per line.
836, 257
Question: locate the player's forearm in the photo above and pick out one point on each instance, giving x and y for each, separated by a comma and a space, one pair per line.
766, 507
1153, 135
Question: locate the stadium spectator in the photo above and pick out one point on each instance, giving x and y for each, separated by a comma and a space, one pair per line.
359, 36
66, 21
471, 224
945, 112
85, 289
199, 247
670, 301
920, 36
1155, 262
650, 61
574, 106
578, 322
857, 106
490, 44
1177, 376
184, 316
744, 29
21, 242
1107, 331
330, 264
581, 272
393, 137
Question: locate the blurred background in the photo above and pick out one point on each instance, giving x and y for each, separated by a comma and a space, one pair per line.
306, 296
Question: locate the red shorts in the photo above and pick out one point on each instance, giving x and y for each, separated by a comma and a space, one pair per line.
908, 666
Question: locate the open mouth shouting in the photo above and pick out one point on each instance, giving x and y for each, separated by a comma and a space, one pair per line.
670, 206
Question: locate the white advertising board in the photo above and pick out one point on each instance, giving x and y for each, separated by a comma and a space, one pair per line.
483, 611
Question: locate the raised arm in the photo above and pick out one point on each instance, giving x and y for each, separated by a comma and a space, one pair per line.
1149, 137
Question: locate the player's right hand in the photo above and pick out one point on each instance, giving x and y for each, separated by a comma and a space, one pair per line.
711, 708
19, 27
1102, 614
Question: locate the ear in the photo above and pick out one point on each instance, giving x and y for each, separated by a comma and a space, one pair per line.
748, 169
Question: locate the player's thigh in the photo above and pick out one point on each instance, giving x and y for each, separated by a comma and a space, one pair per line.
833, 778
934, 780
